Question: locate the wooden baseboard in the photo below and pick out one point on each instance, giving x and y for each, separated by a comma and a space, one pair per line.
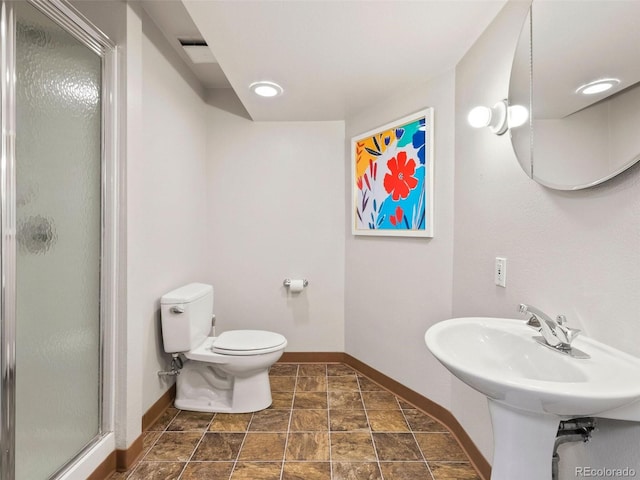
441, 414
312, 357
158, 408
125, 459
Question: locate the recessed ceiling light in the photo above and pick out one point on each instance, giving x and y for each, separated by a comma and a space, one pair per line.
598, 86
266, 89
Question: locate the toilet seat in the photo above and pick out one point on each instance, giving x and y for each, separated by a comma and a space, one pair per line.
247, 342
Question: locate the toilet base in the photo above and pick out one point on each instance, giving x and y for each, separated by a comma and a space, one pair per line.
204, 387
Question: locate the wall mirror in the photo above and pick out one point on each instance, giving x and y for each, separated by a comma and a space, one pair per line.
577, 68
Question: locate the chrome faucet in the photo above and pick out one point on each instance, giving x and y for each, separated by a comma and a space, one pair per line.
554, 332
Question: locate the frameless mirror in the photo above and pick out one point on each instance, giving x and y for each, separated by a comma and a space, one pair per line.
577, 68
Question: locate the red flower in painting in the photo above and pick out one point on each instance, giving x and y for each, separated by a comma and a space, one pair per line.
397, 218
400, 180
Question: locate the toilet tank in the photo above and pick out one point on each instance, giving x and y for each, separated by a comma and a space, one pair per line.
186, 317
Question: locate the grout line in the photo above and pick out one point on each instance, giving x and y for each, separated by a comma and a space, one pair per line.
246, 432
286, 436
366, 414
326, 379
197, 445
413, 434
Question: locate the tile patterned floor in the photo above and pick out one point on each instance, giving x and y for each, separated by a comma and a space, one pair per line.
327, 422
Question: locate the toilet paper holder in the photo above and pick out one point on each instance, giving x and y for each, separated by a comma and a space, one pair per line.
287, 282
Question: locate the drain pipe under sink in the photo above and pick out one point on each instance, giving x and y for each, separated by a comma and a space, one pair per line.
574, 430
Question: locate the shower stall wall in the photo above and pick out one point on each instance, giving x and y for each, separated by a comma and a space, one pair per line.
58, 191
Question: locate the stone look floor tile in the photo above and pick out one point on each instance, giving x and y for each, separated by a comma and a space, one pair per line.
173, 447
306, 471
396, 447
230, 422
306, 420
440, 447
405, 471
337, 369
354, 447
270, 421
380, 401
282, 384
356, 471
317, 423
207, 470
307, 446
453, 471
256, 471
157, 471
216, 446
348, 420
165, 419
263, 447
421, 422
311, 384
347, 383
281, 400
405, 405
312, 400
367, 385
387, 421
148, 439
284, 369
345, 401
312, 370
187, 421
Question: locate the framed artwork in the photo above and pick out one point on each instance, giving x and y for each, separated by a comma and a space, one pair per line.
392, 178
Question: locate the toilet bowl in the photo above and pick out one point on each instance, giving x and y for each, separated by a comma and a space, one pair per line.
228, 373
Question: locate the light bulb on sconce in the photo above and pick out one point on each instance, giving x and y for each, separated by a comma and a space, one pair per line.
495, 118
517, 115
499, 118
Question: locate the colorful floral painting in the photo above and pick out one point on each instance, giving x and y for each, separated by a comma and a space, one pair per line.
393, 178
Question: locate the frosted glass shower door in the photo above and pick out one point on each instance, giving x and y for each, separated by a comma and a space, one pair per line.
58, 236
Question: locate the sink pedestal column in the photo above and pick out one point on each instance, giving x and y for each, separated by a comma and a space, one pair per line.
522, 443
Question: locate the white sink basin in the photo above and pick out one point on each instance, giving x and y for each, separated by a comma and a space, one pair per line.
531, 387
499, 358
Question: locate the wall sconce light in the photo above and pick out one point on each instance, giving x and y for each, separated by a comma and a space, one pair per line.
499, 118
495, 118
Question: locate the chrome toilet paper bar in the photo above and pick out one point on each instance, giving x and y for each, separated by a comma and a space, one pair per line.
287, 282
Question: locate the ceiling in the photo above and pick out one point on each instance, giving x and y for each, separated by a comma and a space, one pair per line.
334, 58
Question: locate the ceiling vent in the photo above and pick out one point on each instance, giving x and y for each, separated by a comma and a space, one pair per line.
197, 50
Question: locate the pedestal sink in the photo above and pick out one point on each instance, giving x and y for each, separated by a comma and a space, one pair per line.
530, 387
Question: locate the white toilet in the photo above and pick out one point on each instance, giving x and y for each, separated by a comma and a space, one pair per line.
228, 373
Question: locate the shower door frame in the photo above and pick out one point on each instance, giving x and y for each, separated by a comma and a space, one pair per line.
112, 173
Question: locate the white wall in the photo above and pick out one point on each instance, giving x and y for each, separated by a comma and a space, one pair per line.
397, 287
276, 195
568, 252
167, 201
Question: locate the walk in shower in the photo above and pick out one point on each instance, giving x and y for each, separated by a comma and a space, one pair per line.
57, 193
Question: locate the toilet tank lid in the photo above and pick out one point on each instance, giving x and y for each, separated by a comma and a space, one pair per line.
186, 294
